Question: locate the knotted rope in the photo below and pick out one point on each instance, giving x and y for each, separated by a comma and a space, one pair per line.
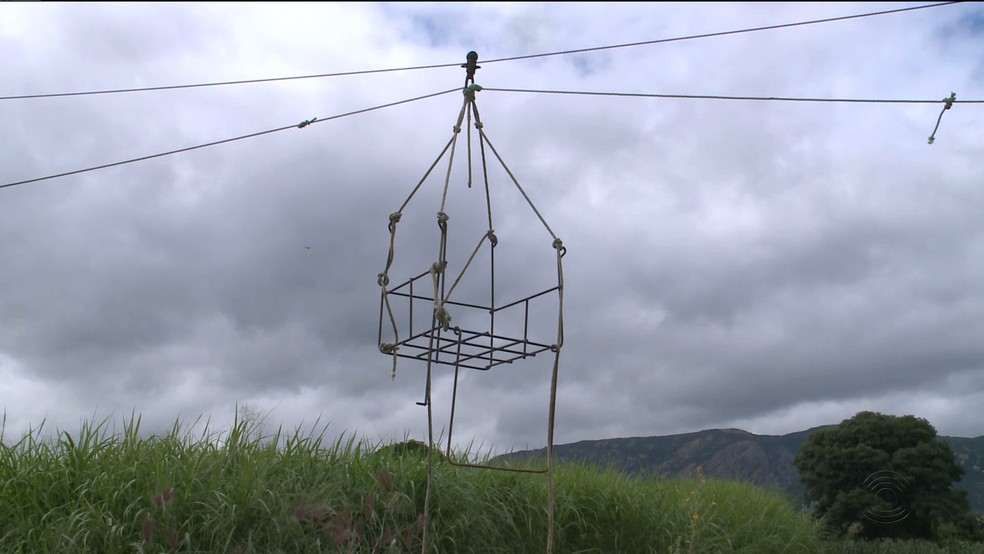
948, 103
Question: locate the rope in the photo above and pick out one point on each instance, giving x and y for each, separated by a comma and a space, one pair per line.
454, 142
523, 192
468, 125
493, 240
469, 93
485, 169
425, 537
454, 393
561, 251
948, 104
383, 280
424, 178
559, 247
437, 270
440, 312
492, 237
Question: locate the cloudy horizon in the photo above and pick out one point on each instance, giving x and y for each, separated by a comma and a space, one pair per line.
763, 265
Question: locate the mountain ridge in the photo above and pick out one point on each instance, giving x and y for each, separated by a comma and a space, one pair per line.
735, 454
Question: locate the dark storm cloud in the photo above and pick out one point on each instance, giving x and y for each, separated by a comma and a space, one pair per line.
775, 265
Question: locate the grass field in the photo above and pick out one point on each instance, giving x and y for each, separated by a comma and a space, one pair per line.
99, 492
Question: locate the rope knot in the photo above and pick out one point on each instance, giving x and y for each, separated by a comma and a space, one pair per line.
382, 279
307, 122
394, 219
387, 348
559, 246
492, 238
443, 316
949, 101
946, 106
438, 267
470, 91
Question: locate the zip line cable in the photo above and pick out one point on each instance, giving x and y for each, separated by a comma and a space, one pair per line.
720, 97
948, 101
719, 34
225, 83
251, 135
508, 59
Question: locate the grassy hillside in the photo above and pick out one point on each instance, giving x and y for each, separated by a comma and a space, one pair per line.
94, 492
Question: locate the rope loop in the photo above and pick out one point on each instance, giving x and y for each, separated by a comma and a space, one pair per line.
559, 246
393, 220
382, 279
438, 267
387, 348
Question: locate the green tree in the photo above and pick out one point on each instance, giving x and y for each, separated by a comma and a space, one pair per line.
877, 475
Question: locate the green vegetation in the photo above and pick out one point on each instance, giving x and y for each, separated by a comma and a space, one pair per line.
895, 546
95, 491
880, 476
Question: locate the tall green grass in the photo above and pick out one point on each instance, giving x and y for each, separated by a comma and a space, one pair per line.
100, 492
888, 546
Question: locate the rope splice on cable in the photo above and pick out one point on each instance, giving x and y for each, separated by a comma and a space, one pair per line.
948, 103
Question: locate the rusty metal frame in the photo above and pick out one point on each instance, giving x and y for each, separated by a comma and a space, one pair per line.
466, 348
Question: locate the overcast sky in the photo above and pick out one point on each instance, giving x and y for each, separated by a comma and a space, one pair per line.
764, 265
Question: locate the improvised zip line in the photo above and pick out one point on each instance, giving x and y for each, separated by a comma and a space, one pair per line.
420, 319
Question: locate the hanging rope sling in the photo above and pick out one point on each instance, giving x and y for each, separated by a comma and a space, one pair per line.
444, 343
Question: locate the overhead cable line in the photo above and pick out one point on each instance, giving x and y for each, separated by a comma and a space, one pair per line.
224, 83
456, 64
251, 135
721, 33
721, 97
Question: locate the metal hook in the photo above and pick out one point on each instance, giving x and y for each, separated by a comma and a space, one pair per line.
470, 67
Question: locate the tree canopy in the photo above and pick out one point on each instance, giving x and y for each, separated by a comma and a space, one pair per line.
877, 475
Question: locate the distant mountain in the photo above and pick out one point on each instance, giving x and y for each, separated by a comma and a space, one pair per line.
763, 460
